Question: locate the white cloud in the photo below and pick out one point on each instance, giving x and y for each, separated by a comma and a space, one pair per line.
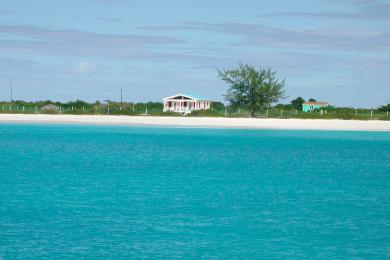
85, 67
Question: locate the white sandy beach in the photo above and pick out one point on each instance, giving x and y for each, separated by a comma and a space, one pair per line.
255, 123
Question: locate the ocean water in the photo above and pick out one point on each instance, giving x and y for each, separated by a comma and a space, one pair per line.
136, 192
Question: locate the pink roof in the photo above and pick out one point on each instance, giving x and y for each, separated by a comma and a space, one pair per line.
316, 103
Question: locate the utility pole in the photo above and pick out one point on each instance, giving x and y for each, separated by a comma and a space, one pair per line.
120, 107
10, 89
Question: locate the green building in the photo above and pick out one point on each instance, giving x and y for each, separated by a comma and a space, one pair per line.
310, 106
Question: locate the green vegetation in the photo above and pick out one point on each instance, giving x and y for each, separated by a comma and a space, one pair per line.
218, 109
385, 108
217, 106
297, 103
252, 92
206, 113
80, 107
286, 111
252, 89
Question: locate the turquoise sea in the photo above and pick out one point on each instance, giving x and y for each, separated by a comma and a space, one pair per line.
70, 191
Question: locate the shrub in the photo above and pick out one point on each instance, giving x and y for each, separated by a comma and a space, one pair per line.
206, 113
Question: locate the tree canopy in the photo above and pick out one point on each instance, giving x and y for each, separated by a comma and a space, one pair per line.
384, 108
297, 103
252, 89
215, 105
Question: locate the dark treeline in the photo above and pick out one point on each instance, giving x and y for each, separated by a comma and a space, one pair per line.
218, 109
297, 104
97, 107
83, 107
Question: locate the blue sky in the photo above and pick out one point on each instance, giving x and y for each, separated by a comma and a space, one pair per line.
332, 50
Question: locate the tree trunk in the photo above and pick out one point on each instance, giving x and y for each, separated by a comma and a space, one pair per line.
253, 113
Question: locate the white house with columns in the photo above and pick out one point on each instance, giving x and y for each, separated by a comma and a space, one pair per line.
185, 104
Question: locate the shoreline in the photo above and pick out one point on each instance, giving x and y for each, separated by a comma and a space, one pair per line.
200, 122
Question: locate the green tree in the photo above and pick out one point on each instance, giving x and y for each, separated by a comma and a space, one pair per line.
312, 100
297, 103
252, 89
78, 104
216, 105
284, 106
384, 108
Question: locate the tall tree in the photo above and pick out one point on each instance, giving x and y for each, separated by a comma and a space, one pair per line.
312, 100
297, 103
252, 89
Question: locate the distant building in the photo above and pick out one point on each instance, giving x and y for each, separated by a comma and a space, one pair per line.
185, 104
50, 107
310, 106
